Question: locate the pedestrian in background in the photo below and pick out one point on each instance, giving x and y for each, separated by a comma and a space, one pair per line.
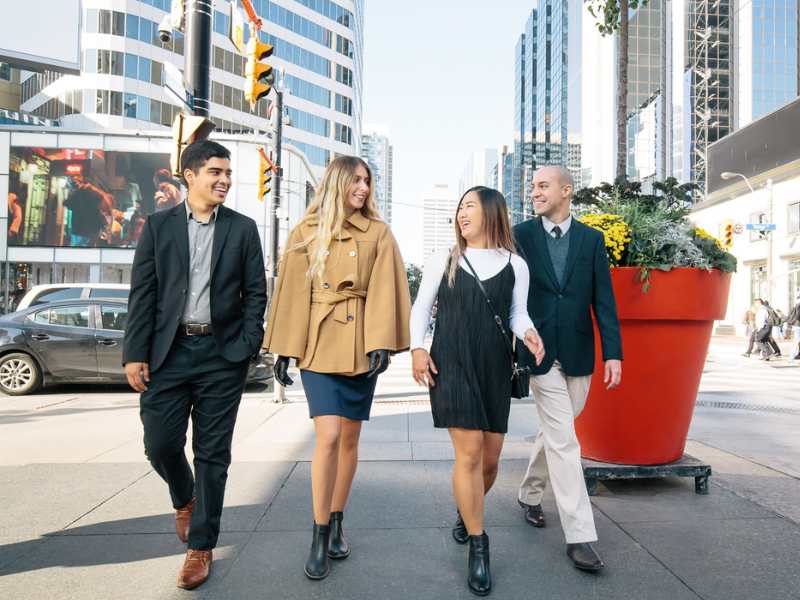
774, 319
793, 321
763, 329
468, 371
750, 328
195, 318
340, 308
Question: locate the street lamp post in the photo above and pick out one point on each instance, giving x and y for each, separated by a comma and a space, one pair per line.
730, 175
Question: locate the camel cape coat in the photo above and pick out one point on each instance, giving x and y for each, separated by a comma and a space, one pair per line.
361, 304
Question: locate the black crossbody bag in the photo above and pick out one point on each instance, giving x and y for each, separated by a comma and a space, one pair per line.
520, 376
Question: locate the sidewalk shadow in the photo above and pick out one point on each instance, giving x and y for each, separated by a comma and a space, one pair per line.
21, 555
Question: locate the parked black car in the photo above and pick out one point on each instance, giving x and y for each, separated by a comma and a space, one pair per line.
73, 341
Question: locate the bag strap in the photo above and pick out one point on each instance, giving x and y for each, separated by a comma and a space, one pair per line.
498, 321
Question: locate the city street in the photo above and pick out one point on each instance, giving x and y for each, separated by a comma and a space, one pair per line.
84, 516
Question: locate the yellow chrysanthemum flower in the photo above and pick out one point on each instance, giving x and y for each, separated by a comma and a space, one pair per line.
616, 232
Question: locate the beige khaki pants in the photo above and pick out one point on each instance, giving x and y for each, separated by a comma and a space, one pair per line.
557, 455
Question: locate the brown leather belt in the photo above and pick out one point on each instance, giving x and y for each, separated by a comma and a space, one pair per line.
195, 329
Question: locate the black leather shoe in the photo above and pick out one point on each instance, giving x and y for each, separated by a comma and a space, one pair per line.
318, 566
480, 577
338, 547
533, 514
584, 557
460, 534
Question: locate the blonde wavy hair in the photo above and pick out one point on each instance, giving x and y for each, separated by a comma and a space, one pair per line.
328, 210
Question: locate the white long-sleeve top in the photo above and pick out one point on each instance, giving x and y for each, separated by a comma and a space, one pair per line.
487, 264
762, 315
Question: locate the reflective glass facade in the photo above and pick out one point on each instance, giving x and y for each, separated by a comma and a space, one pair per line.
541, 97
774, 55
319, 58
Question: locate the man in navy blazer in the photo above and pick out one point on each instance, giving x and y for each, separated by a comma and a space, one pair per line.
570, 279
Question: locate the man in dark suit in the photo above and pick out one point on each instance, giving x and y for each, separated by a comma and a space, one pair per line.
569, 278
195, 318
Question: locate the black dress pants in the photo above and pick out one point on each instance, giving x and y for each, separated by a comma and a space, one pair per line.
194, 380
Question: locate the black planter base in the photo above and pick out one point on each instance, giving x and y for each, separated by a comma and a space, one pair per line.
686, 466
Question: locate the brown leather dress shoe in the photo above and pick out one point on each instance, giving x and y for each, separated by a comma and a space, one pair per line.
195, 569
183, 516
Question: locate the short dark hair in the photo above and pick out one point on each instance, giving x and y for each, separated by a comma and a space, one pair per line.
196, 155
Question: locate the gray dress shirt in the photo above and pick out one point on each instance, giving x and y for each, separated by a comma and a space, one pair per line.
201, 240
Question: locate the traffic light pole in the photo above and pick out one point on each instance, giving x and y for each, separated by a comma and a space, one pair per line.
276, 181
197, 70
278, 393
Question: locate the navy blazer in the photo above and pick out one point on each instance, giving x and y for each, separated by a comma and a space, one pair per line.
562, 313
160, 282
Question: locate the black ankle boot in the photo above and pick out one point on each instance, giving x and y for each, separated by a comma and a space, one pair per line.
480, 578
460, 534
338, 547
318, 566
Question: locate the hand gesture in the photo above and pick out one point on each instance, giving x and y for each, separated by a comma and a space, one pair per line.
422, 367
138, 374
534, 343
613, 374
281, 371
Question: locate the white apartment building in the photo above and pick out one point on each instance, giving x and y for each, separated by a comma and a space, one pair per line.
438, 219
319, 44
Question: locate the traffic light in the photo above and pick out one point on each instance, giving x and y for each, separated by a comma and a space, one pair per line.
264, 176
257, 75
186, 129
727, 235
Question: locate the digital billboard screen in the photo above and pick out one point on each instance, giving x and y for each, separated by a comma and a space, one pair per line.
81, 198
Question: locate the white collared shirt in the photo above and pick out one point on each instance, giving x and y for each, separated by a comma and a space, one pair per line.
564, 225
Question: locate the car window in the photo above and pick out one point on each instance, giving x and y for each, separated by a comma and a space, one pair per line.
62, 294
70, 316
109, 294
114, 317
42, 317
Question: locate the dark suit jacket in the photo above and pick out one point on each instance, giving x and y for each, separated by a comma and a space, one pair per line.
562, 314
160, 282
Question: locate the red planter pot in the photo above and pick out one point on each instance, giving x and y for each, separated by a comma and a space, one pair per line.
665, 337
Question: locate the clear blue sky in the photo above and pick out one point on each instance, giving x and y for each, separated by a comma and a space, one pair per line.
439, 76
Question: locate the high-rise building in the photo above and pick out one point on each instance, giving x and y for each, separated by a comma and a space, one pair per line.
698, 70
514, 192
766, 57
438, 219
479, 170
319, 43
547, 92
378, 153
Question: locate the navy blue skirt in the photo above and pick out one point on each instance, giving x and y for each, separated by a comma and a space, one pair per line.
339, 395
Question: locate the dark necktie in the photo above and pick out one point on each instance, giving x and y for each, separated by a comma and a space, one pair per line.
557, 232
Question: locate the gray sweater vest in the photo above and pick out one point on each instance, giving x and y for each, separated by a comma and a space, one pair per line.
558, 249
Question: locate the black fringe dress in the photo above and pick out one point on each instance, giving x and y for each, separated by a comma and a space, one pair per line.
473, 387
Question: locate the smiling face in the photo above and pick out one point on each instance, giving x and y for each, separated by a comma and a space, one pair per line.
211, 183
551, 194
358, 192
470, 217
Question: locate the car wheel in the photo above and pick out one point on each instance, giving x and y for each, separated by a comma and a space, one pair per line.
19, 374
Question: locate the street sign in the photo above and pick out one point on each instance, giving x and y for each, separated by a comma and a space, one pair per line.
173, 82
236, 33
761, 227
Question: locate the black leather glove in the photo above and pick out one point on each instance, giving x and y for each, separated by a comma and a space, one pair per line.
281, 371
378, 362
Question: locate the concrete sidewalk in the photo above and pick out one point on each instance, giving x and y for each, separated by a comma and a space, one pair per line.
83, 516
